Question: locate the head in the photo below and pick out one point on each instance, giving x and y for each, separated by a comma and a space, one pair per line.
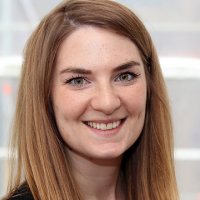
40, 140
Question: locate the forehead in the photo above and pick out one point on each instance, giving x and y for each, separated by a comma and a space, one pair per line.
96, 47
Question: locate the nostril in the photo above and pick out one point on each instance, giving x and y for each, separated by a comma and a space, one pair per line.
105, 99
107, 107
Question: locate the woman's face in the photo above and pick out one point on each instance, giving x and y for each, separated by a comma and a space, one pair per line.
98, 93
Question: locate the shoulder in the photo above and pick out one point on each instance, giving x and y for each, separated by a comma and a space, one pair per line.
22, 193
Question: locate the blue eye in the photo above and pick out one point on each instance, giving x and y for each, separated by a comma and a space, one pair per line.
127, 76
77, 81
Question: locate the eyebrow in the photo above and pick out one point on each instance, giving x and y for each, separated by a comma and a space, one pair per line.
76, 71
127, 65
124, 66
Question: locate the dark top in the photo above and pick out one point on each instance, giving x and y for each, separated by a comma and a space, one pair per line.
23, 193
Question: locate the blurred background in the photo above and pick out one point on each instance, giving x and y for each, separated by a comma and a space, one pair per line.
175, 29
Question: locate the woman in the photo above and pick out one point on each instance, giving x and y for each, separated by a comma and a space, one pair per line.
92, 118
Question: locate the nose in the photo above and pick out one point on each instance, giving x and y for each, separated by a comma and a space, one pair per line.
105, 99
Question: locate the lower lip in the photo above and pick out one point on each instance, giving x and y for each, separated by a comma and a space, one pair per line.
107, 132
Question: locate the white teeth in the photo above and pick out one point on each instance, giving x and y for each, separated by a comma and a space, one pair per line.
104, 126
98, 126
94, 125
109, 126
114, 125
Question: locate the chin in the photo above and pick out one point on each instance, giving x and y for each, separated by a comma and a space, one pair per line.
107, 155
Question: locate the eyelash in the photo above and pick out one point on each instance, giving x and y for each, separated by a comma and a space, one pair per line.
133, 75
70, 81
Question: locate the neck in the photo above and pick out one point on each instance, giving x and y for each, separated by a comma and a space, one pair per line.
98, 179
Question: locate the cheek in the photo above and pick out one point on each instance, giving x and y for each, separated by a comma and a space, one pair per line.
67, 104
135, 98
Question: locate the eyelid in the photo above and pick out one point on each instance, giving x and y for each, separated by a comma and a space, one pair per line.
69, 81
134, 75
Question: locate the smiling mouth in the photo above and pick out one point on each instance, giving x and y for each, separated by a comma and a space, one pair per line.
104, 126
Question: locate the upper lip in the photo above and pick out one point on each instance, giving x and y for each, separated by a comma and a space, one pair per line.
105, 121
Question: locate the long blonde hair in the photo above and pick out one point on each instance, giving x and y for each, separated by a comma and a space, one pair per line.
148, 166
